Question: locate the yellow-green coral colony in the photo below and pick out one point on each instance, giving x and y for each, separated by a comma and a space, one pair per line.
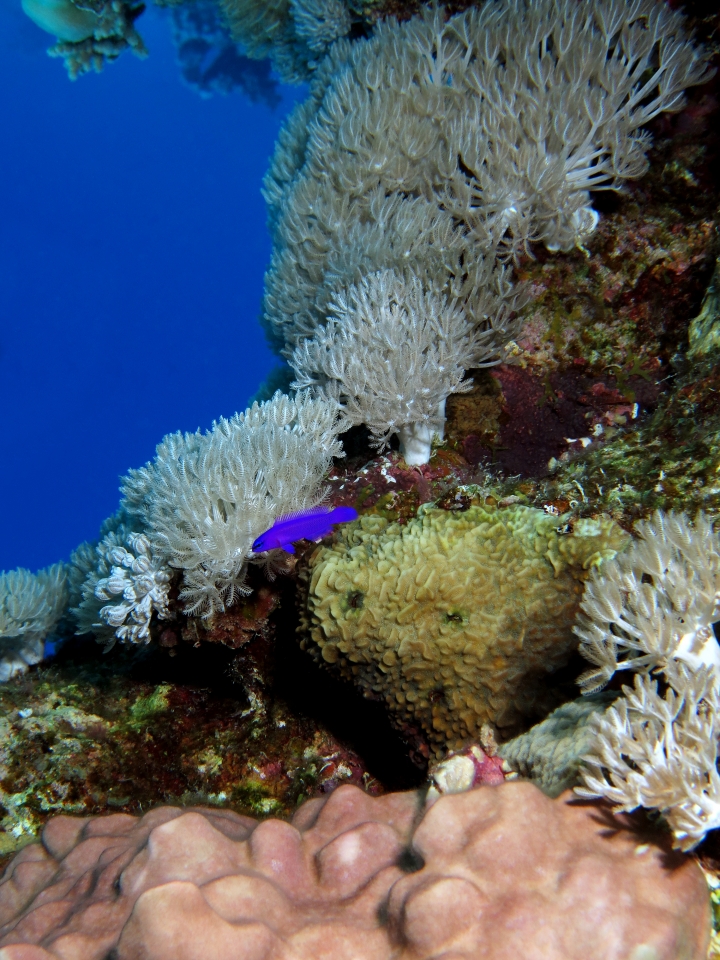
455, 619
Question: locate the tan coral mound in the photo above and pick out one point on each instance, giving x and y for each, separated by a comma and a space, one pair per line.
499, 873
455, 619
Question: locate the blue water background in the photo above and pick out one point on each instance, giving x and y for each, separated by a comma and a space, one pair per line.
132, 251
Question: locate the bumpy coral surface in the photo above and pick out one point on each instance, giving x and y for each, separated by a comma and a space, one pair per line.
501, 872
455, 619
550, 753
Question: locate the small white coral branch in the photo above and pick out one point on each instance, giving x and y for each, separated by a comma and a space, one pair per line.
391, 353
661, 752
31, 605
652, 610
142, 583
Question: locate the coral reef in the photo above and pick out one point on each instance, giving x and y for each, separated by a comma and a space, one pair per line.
226, 715
454, 619
431, 152
355, 876
211, 62
31, 606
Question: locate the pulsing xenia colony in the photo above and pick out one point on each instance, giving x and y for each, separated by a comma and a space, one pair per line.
651, 610
31, 606
437, 149
389, 350
199, 508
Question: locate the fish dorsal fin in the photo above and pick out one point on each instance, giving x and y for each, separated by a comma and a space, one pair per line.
318, 511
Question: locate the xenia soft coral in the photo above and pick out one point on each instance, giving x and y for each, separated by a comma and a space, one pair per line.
654, 603
206, 497
430, 143
393, 352
31, 605
295, 34
652, 610
125, 585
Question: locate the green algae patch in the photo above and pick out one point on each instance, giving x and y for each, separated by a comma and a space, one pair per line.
670, 460
146, 708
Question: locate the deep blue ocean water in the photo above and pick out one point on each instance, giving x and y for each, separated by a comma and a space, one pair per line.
132, 252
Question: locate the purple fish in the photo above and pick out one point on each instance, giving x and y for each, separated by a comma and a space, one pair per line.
306, 525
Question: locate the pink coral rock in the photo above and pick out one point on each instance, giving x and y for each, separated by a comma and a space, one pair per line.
497, 873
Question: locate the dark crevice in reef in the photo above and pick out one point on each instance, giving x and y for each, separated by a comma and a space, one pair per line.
207, 666
363, 725
273, 666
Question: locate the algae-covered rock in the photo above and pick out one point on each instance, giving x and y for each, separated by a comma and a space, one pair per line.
550, 753
455, 619
704, 332
90, 734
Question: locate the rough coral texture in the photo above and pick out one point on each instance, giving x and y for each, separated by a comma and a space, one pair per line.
550, 753
500, 872
455, 619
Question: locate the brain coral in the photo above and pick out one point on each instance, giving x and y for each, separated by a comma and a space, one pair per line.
454, 619
499, 872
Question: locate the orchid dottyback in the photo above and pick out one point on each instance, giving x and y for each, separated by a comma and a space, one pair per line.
310, 524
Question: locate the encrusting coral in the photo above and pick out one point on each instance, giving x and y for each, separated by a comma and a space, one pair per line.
475, 873
651, 610
550, 753
391, 353
31, 606
454, 619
